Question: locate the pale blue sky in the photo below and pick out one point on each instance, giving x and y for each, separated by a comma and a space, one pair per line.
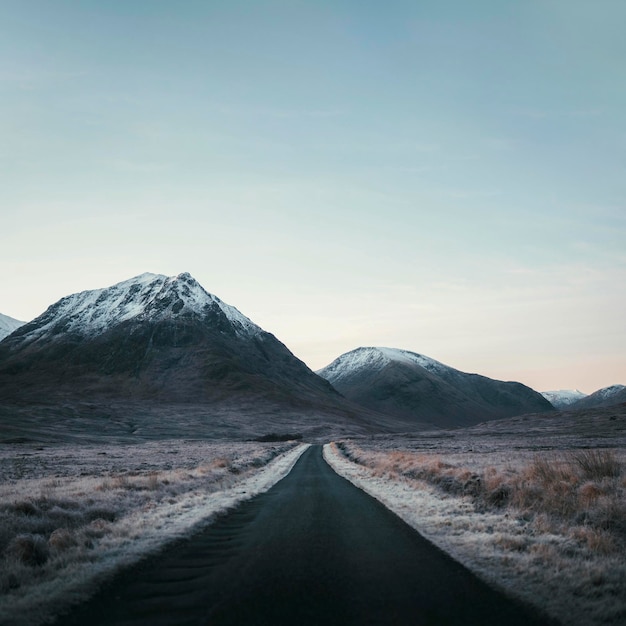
441, 176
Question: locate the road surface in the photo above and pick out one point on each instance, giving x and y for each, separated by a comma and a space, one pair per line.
314, 550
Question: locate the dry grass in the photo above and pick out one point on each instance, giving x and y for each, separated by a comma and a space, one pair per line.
63, 508
597, 464
578, 488
547, 525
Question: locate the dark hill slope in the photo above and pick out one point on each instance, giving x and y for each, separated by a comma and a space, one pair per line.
413, 387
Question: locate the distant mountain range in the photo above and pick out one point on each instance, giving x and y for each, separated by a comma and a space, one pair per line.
159, 356
8, 325
411, 386
574, 399
563, 397
607, 396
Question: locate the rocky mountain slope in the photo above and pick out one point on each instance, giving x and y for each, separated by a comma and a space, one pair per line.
413, 387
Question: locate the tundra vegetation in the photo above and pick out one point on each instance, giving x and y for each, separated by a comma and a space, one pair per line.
542, 518
70, 516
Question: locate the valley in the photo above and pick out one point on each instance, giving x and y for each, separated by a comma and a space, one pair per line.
312, 313
134, 416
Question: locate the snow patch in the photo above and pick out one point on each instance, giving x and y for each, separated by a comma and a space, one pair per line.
563, 397
375, 359
608, 392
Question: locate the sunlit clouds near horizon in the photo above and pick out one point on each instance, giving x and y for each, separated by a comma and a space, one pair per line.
446, 178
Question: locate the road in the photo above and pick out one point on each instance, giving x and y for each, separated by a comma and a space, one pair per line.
314, 550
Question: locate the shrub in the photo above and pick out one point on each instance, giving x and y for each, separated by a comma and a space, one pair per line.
597, 464
26, 507
61, 539
596, 540
500, 496
551, 471
589, 492
101, 512
29, 549
96, 528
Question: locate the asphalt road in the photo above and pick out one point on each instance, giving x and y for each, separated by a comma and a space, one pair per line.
314, 550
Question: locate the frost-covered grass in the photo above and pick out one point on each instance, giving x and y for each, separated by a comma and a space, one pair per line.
548, 527
71, 516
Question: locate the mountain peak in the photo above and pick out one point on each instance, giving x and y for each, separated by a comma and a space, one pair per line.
607, 396
144, 297
370, 357
158, 339
561, 398
611, 390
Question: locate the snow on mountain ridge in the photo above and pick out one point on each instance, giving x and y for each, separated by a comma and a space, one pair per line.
607, 392
8, 325
367, 357
395, 354
561, 398
153, 296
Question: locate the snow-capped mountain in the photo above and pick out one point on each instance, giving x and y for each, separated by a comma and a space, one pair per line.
151, 297
348, 364
152, 337
8, 325
415, 387
607, 396
562, 398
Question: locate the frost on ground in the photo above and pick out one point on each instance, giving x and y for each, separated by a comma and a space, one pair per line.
72, 516
548, 528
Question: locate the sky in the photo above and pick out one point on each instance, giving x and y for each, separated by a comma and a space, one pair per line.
446, 177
